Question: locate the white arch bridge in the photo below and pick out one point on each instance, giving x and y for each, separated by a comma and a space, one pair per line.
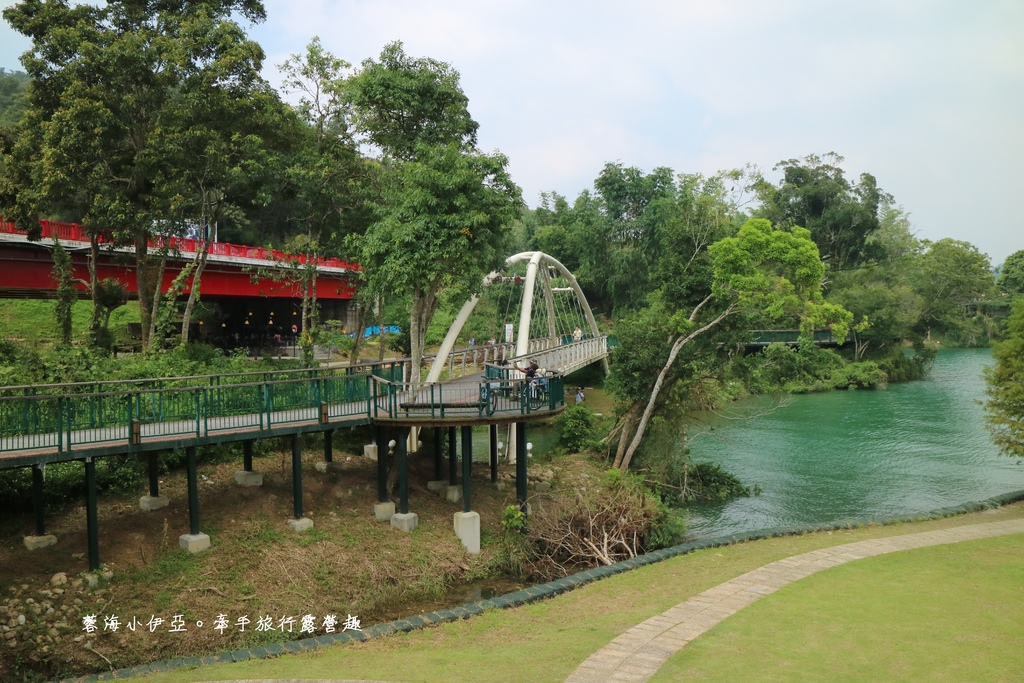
562, 336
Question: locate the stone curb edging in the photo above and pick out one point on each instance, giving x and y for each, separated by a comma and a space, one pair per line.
534, 593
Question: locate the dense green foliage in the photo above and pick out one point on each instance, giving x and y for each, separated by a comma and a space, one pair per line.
841, 216
445, 208
150, 119
1005, 404
12, 96
1011, 276
576, 428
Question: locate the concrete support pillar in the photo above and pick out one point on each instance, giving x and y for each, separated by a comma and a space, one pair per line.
329, 445
91, 518
467, 529
194, 541
521, 465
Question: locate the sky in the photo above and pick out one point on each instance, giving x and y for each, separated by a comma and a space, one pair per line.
926, 95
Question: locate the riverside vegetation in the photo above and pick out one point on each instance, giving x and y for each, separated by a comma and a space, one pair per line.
379, 164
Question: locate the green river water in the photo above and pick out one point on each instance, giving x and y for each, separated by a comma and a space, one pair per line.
908, 448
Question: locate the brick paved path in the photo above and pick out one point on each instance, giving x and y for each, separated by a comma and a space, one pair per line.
637, 654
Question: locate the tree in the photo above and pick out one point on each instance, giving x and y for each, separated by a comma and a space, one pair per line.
883, 291
67, 293
12, 96
444, 207
952, 278
442, 224
841, 216
1011, 276
777, 272
400, 103
116, 99
325, 175
1005, 405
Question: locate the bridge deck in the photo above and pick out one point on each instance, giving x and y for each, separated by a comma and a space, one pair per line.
36, 429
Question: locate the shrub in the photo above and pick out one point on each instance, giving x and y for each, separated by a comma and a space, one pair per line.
576, 425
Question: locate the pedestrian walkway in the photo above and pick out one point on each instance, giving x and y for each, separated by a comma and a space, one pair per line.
638, 653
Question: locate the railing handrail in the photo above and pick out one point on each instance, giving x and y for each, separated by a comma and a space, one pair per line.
181, 378
198, 387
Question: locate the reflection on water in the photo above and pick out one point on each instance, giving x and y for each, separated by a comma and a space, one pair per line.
823, 457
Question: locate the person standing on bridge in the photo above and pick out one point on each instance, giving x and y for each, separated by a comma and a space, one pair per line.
530, 371
577, 334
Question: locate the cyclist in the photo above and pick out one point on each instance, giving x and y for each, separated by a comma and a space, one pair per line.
530, 373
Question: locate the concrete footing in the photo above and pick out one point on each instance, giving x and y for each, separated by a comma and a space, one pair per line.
37, 542
405, 522
467, 529
437, 486
194, 543
333, 467
382, 512
453, 494
150, 503
300, 525
370, 451
243, 478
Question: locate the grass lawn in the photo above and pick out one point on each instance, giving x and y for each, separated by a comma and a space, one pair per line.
878, 619
946, 613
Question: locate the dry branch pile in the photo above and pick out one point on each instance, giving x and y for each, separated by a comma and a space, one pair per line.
597, 529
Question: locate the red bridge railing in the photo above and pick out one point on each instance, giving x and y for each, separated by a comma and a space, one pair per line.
73, 232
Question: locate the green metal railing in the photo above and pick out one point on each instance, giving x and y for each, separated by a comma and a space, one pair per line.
385, 369
490, 397
30, 421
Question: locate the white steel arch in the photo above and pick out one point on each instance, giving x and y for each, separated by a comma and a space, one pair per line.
534, 260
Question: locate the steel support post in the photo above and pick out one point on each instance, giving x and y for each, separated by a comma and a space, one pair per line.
494, 453
521, 465
403, 470
297, 475
247, 455
453, 476
91, 523
153, 465
467, 465
438, 453
329, 445
37, 499
383, 455
193, 491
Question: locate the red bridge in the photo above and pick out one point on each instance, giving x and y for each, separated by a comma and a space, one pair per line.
229, 279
